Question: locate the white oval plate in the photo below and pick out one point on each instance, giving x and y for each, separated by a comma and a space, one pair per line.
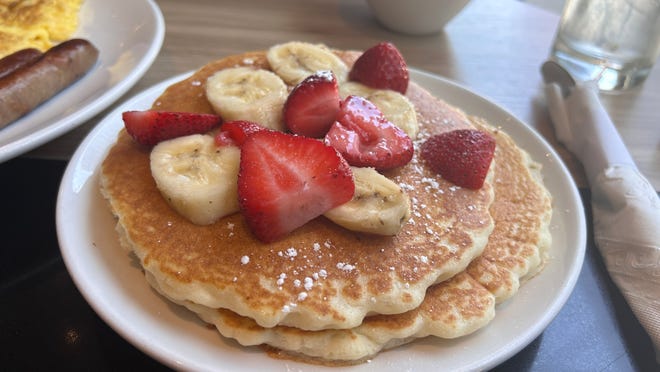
115, 287
128, 35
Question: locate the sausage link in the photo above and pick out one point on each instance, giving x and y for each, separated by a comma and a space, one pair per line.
16, 60
31, 85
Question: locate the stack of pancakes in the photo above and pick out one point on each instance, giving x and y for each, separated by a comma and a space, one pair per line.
330, 295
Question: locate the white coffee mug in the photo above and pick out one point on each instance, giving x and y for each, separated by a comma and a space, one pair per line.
416, 17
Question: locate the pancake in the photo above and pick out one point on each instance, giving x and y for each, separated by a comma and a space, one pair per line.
321, 276
454, 308
518, 246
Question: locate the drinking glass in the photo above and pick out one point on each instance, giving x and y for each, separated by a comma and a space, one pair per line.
612, 42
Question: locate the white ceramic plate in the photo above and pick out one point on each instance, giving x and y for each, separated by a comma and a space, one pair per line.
128, 35
116, 289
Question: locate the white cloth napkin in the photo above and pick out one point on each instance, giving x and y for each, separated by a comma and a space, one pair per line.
626, 208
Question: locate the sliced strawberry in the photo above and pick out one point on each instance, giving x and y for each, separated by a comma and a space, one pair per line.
382, 66
312, 105
365, 138
236, 132
150, 127
461, 156
285, 180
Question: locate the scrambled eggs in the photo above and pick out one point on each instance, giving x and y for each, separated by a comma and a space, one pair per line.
36, 23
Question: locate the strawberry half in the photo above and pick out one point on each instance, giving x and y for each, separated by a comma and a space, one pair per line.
150, 127
382, 66
285, 180
460, 156
236, 132
365, 138
312, 105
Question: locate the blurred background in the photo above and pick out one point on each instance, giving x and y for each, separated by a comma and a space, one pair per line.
551, 5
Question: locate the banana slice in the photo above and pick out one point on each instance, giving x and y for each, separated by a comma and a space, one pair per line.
196, 177
294, 61
394, 105
243, 93
379, 206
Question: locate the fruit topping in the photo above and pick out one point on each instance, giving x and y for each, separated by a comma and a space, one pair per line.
285, 180
150, 127
245, 93
196, 177
236, 132
383, 67
312, 105
395, 106
461, 156
379, 205
295, 60
365, 138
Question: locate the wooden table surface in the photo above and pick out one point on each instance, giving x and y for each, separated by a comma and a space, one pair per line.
494, 48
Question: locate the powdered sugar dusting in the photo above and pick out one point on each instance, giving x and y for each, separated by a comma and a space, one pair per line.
308, 283
345, 266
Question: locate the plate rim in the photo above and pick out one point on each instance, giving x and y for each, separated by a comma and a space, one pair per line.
74, 119
164, 356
